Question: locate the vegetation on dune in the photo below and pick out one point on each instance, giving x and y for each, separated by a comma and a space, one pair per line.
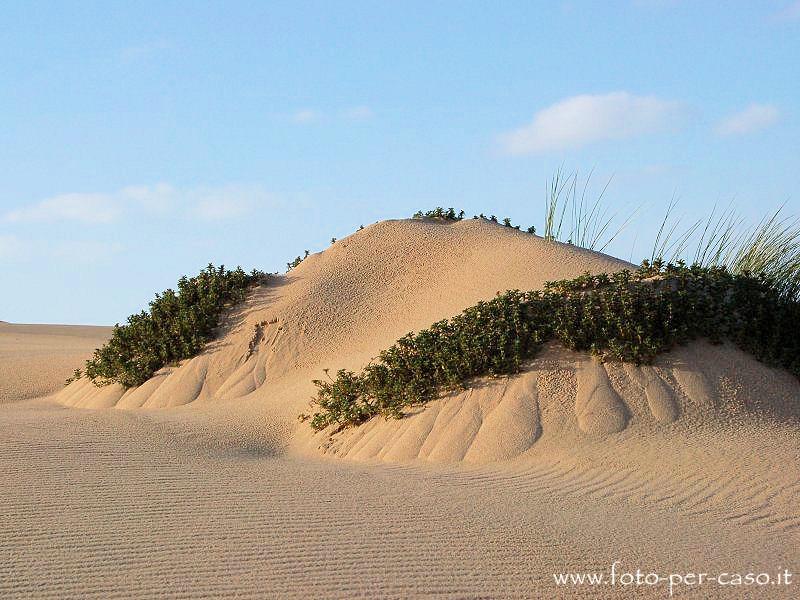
291, 265
630, 315
743, 286
571, 216
449, 214
770, 248
176, 327
440, 213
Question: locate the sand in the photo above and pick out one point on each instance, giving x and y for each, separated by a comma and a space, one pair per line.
36, 359
202, 482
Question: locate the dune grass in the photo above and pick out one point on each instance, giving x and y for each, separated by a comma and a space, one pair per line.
571, 216
768, 249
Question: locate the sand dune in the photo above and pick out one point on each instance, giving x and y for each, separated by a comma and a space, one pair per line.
36, 359
340, 307
202, 482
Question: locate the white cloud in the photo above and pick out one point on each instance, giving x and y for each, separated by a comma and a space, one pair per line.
230, 202
158, 198
582, 120
358, 113
85, 208
753, 118
208, 203
306, 115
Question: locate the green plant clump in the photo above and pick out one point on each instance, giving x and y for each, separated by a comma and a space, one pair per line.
451, 215
176, 327
630, 315
440, 213
299, 259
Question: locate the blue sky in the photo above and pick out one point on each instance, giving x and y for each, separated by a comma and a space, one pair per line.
140, 141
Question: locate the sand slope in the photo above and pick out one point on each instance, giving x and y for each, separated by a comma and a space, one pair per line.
202, 482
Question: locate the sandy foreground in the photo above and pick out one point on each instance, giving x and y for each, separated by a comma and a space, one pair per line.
202, 483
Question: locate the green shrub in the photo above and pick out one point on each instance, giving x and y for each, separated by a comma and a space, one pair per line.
451, 215
299, 259
440, 213
176, 327
76, 374
630, 315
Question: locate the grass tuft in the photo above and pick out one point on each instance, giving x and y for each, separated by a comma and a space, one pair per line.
572, 217
768, 249
291, 265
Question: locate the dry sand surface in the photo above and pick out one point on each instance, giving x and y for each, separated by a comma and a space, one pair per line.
36, 359
202, 483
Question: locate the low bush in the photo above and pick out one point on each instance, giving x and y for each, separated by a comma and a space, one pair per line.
451, 215
291, 265
630, 315
176, 327
440, 213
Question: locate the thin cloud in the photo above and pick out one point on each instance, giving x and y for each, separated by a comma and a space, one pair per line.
157, 199
306, 115
230, 202
753, 118
83, 208
212, 210
655, 4
162, 199
11, 247
581, 120
87, 252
